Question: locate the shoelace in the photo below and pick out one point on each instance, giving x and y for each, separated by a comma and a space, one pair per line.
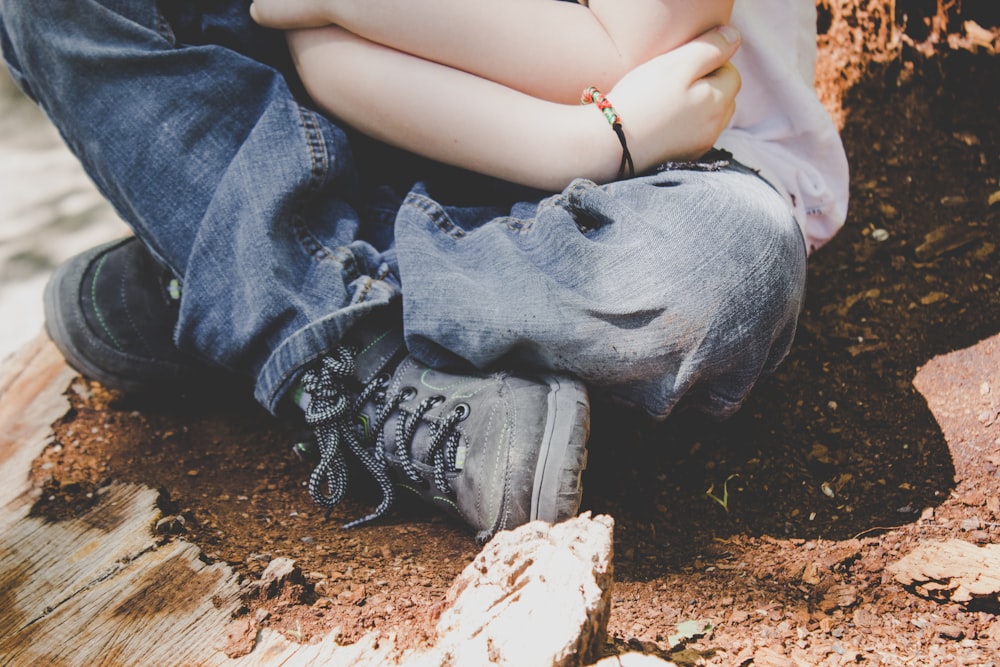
444, 441
334, 418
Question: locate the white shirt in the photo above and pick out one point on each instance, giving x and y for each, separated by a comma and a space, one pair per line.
780, 128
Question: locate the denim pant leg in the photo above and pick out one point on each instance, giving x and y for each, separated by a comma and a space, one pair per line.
246, 195
684, 284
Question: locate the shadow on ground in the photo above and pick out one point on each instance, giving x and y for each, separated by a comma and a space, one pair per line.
835, 445
838, 443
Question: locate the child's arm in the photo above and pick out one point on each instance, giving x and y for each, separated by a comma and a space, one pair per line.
547, 49
673, 107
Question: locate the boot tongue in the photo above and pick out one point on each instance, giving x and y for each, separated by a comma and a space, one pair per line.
378, 349
409, 375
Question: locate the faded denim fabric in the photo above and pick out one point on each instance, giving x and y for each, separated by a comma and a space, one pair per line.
286, 230
682, 283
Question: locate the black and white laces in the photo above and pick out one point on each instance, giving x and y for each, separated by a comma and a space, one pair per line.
443, 434
338, 427
333, 415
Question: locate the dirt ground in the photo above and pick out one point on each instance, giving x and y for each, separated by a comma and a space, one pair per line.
777, 526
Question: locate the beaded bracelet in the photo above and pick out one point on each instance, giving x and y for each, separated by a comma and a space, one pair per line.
593, 96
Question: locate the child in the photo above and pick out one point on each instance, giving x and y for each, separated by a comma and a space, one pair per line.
461, 318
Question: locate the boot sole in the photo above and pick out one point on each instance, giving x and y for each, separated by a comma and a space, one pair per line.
558, 487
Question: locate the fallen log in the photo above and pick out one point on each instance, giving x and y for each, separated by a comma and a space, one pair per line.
32, 383
103, 588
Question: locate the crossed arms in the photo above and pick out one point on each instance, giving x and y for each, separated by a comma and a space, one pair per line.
493, 85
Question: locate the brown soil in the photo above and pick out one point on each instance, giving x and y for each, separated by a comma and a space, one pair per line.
834, 470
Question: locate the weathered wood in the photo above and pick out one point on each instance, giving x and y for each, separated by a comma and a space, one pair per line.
538, 595
32, 386
43, 564
103, 590
97, 590
953, 570
273, 650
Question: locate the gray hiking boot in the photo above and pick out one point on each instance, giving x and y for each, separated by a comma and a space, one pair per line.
111, 311
497, 450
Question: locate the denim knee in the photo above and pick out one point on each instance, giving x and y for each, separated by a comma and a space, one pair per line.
682, 282
720, 268
735, 319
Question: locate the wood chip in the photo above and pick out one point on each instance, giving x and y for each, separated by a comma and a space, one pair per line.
955, 570
839, 596
933, 297
946, 239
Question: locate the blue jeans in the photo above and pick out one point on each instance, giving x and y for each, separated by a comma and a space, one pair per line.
287, 230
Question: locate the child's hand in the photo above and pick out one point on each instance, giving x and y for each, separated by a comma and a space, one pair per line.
288, 14
675, 106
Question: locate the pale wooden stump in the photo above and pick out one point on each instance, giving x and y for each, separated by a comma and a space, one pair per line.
104, 589
96, 590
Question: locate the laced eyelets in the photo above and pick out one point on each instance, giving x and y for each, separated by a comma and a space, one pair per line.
347, 421
380, 385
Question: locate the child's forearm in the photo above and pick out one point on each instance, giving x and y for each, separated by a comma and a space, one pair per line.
544, 48
467, 121
452, 116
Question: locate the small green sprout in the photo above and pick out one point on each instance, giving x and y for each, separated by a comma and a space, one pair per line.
724, 500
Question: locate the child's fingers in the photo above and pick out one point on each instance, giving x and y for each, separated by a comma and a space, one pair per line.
725, 83
725, 80
288, 14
